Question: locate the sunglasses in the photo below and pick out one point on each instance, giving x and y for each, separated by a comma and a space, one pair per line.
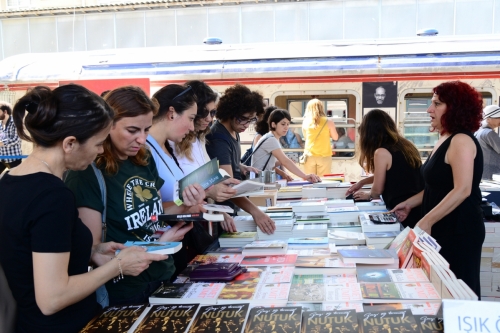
205, 114
245, 120
182, 93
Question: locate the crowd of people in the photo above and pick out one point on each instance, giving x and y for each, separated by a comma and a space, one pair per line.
124, 162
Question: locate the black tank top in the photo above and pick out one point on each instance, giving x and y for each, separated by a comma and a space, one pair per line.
402, 181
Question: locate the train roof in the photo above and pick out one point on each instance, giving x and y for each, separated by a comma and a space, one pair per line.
415, 55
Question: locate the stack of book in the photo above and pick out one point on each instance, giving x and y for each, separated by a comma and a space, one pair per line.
236, 239
269, 247
380, 240
372, 206
283, 230
290, 192
245, 223
316, 207
368, 256
490, 263
339, 237
308, 243
311, 218
344, 214
310, 230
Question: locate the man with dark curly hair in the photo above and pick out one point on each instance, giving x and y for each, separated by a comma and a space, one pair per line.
237, 109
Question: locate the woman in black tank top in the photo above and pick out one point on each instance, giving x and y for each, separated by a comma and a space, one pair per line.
394, 162
451, 198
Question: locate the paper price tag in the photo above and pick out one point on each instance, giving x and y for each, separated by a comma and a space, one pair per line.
471, 316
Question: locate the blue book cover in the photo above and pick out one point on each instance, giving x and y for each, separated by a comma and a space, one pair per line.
156, 247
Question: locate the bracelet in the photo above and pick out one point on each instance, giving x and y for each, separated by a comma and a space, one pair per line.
120, 276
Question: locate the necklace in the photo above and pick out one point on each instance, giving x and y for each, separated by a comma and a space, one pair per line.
46, 164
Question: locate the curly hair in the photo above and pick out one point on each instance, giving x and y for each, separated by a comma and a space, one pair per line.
464, 107
238, 100
126, 102
262, 126
377, 130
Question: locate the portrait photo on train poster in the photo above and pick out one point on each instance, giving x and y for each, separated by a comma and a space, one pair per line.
380, 95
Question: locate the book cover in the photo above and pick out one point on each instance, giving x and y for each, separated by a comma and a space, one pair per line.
156, 247
388, 321
205, 259
278, 274
236, 292
343, 292
322, 262
279, 320
168, 292
307, 292
391, 275
399, 291
311, 252
228, 318
330, 321
281, 260
172, 219
205, 293
167, 318
275, 294
206, 175
115, 319
430, 324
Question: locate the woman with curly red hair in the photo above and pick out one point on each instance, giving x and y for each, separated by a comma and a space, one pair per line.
451, 198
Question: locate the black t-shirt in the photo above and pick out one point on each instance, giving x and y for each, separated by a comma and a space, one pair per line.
38, 214
221, 145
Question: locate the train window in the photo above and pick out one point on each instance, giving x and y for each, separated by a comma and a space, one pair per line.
336, 109
416, 122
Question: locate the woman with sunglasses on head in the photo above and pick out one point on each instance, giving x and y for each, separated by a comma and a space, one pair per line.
237, 109
132, 187
318, 130
268, 150
45, 249
191, 152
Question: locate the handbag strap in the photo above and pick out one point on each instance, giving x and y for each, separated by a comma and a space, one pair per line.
253, 152
102, 186
159, 155
318, 133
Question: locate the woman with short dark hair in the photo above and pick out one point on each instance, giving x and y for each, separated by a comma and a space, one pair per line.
451, 199
268, 149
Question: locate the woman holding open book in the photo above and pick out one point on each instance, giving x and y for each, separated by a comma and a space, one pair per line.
45, 248
451, 199
191, 152
132, 184
268, 153
394, 162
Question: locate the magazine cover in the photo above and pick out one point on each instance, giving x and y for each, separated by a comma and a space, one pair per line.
237, 292
287, 259
313, 292
279, 320
391, 275
169, 292
115, 319
228, 318
278, 274
167, 318
344, 321
343, 292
